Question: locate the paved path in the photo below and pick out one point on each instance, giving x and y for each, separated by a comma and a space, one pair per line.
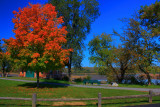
121, 88
87, 86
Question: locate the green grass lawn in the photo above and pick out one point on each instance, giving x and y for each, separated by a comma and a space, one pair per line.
66, 82
139, 86
41, 79
25, 90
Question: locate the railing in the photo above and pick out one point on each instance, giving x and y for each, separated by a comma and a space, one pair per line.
34, 98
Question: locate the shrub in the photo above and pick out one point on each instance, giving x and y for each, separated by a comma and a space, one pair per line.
88, 78
65, 78
133, 79
78, 80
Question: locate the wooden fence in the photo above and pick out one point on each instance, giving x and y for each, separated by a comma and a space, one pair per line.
34, 98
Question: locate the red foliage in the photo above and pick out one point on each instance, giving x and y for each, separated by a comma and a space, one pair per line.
38, 35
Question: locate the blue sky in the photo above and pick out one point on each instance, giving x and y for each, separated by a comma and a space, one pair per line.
111, 11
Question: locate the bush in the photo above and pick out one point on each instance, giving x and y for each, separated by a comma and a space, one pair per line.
65, 78
141, 80
78, 80
88, 78
133, 79
111, 78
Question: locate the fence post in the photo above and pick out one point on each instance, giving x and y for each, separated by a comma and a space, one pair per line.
150, 96
34, 99
99, 99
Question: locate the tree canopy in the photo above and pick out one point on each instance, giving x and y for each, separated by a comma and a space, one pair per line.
141, 45
5, 62
39, 37
150, 16
0, 48
112, 61
139, 48
78, 16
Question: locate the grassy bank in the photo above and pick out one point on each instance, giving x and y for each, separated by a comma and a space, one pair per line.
41, 80
139, 86
22, 89
66, 82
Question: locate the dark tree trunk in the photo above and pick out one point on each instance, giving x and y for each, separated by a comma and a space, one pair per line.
6, 74
149, 78
2, 74
37, 79
69, 71
69, 67
3, 71
147, 74
123, 68
117, 75
123, 71
121, 78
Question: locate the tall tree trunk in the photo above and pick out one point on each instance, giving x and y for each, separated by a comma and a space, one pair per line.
2, 74
123, 68
122, 76
69, 72
6, 74
3, 70
69, 67
37, 79
149, 78
123, 71
147, 74
117, 76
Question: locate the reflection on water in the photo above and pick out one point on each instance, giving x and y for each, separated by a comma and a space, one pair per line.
153, 81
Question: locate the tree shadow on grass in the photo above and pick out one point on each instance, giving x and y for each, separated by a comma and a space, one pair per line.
44, 85
15, 105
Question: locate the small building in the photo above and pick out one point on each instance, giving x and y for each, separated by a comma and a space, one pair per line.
51, 74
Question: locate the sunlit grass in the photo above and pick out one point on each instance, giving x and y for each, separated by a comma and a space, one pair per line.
25, 90
41, 79
139, 86
81, 83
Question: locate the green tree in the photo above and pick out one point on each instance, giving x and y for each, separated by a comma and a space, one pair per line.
141, 45
111, 60
5, 62
150, 17
0, 47
78, 16
0, 53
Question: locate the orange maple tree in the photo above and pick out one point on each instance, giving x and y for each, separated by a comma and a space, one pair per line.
39, 37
